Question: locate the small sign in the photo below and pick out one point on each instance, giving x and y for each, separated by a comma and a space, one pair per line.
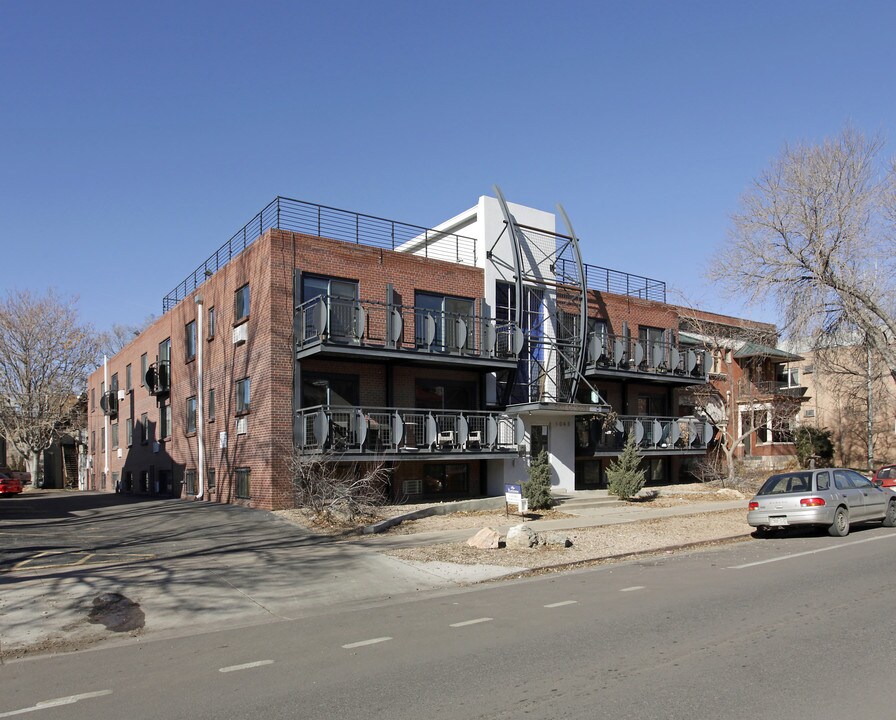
513, 495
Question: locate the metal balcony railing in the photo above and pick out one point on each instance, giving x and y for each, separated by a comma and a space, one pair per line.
768, 388
370, 323
354, 430
335, 224
616, 352
651, 433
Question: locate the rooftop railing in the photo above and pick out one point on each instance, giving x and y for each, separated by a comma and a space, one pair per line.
335, 224
604, 279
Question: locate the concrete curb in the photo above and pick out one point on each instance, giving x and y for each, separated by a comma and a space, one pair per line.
491, 503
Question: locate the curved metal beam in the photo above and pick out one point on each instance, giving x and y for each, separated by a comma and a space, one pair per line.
517, 256
583, 306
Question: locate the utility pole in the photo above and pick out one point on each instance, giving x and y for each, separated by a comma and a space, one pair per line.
870, 419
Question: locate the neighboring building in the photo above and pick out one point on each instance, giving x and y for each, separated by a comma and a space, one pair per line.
448, 354
843, 380
754, 388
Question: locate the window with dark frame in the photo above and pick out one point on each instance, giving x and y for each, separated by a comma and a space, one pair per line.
144, 428
190, 482
115, 436
191, 415
211, 323
143, 369
210, 474
129, 431
165, 421
241, 476
210, 406
127, 378
190, 341
241, 304
242, 396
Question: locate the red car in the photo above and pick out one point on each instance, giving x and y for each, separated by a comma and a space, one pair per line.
886, 476
9, 485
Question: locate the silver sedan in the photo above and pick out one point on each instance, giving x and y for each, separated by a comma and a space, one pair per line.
830, 497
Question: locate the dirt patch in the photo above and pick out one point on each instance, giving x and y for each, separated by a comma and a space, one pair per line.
117, 612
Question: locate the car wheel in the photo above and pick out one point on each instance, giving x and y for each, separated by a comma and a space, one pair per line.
890, 517
840, 526
761, 531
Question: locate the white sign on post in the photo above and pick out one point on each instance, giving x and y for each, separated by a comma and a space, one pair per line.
513, 495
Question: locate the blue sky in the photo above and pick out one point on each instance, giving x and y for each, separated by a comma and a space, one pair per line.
136, 138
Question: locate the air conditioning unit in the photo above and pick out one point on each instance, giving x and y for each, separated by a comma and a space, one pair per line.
119, 453
241, 334
446, 438
121, 395
242, 425
412, 487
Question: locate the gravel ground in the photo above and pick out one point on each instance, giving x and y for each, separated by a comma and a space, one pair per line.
591, 544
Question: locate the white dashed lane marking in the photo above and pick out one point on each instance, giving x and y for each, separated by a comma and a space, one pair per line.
245, 666
633, 588
46, 704
471, 622
561, 604
362, 643
838, 546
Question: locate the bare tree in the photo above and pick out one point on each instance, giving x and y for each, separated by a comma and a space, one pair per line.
120, 335
814, 234
45, 356
730, 400
336, 491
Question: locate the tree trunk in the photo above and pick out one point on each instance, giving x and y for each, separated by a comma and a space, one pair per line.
32, 464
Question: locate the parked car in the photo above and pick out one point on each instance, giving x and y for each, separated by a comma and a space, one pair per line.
885, 476
829, 497
9, 485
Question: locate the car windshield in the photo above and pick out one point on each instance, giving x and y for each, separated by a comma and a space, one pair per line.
788, 483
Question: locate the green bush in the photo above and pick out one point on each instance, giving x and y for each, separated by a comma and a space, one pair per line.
537, 489
624, 478
811, 441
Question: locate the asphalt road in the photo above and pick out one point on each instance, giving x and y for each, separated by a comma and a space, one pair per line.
795, 627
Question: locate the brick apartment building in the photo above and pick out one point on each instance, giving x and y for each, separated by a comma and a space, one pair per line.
450, 354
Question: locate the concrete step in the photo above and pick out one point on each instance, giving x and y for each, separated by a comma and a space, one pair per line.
567, 502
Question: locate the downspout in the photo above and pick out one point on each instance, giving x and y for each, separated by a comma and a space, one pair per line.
106, 420
200, 428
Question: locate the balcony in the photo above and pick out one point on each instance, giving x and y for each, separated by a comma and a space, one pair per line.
769, 390
158, 378
654, 435
616, 356
396, 433
335, 326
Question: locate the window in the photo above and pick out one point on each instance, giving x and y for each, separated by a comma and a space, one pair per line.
810, 412
242, 396
116, 481
129, 431
103, 441
241, 304
437, 316
788, 376
114, 387
211, 323
165, 421
165, 350
241, 476
93, 442
143, 369
191, 414
144, 428
342, 303
114, 436
190, 482
445, 394
446, 479
330, 389
824, 481
92, 400
210, 478
127, 378
190, 341
210, 406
